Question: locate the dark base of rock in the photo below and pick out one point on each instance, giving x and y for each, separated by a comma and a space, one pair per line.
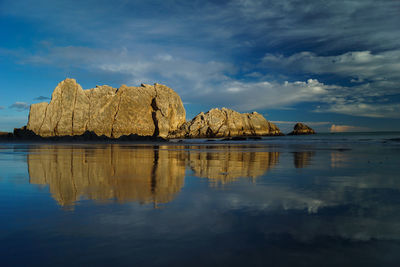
25, 135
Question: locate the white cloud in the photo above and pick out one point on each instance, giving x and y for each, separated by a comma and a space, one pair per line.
248, 96
365, 109
358, 66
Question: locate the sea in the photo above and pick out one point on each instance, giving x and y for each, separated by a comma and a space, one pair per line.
328, 199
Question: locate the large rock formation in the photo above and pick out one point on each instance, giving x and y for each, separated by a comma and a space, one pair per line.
301, 129
224, 123
149, 110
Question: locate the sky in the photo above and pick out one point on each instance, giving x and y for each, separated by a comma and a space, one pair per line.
334, 65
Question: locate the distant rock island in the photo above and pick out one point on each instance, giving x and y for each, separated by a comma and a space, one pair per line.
154, 111
301, 129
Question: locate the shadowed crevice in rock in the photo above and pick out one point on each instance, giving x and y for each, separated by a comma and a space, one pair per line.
154, 116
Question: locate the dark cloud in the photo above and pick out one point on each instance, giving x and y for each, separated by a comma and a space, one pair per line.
42, 98
20, 106
288, 24
2, 107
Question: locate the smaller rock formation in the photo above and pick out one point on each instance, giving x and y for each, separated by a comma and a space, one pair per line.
226, 123
301, 129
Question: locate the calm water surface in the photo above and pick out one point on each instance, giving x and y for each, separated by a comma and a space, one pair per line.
311, 201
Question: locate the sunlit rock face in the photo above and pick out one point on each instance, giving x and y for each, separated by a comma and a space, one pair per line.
149, 110
226, 164
225, 123
112, 172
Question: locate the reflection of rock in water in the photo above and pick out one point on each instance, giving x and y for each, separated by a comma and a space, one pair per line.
134, 173
339, 159
227, 163
302, 159
111, 172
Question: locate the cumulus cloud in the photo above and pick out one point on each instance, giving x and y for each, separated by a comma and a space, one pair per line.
20, 106
373, 80
346, 128
260, 95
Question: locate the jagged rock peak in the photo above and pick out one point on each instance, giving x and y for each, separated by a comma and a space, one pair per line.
300, 129
149, 110
225, 123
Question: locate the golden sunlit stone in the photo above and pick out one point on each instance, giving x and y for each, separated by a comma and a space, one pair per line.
149, 110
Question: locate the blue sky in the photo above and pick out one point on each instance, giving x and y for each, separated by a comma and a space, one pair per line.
320, 62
